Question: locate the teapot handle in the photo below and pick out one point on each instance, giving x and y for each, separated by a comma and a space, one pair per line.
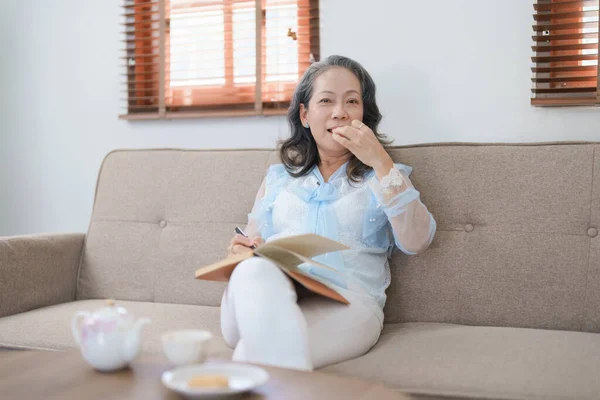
75, 324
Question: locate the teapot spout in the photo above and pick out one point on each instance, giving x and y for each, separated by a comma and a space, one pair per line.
133, 340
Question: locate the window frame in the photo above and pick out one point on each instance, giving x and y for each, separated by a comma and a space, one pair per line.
233, 99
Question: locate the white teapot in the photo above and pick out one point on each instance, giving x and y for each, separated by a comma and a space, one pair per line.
109, 338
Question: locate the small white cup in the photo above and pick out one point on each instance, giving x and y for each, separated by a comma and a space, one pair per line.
186, 346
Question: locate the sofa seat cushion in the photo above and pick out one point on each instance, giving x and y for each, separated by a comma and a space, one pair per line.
49, 328
483, 362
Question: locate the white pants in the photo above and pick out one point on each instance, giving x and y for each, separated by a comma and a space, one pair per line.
265, 321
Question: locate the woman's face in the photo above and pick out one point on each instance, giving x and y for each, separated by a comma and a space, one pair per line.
336, 101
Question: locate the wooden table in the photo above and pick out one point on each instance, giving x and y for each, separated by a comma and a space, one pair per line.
65, 375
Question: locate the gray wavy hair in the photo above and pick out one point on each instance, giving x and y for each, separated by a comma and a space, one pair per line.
299, 153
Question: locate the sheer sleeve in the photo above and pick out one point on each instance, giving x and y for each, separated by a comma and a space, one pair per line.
253, 226
260, 219
413, 226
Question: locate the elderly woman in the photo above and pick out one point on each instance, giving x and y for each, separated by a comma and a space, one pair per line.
336, 180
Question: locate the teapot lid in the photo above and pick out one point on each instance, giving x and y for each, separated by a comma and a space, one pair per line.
112, 311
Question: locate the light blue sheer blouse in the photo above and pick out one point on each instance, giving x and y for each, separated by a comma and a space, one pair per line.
355, 214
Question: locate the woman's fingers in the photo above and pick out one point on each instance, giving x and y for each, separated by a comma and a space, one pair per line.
240, 239
239, 249
241, 244
347, 132
342, 140
358, 124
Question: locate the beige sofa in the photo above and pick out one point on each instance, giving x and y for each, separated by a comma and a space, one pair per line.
504, 304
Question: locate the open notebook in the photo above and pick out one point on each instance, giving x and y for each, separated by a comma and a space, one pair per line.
288, 253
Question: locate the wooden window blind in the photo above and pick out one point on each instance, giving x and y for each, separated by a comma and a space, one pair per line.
565, 70
195, 58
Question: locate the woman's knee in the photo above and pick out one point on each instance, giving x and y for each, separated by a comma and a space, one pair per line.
258, 275
256, 267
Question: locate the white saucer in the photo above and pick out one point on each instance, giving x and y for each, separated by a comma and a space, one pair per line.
242, 378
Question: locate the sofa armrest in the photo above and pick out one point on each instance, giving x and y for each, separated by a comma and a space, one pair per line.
38, 270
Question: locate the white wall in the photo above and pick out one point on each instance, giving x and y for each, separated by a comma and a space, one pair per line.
459, 74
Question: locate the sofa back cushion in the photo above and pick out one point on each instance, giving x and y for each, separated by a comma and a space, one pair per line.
516, 243
161, 214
